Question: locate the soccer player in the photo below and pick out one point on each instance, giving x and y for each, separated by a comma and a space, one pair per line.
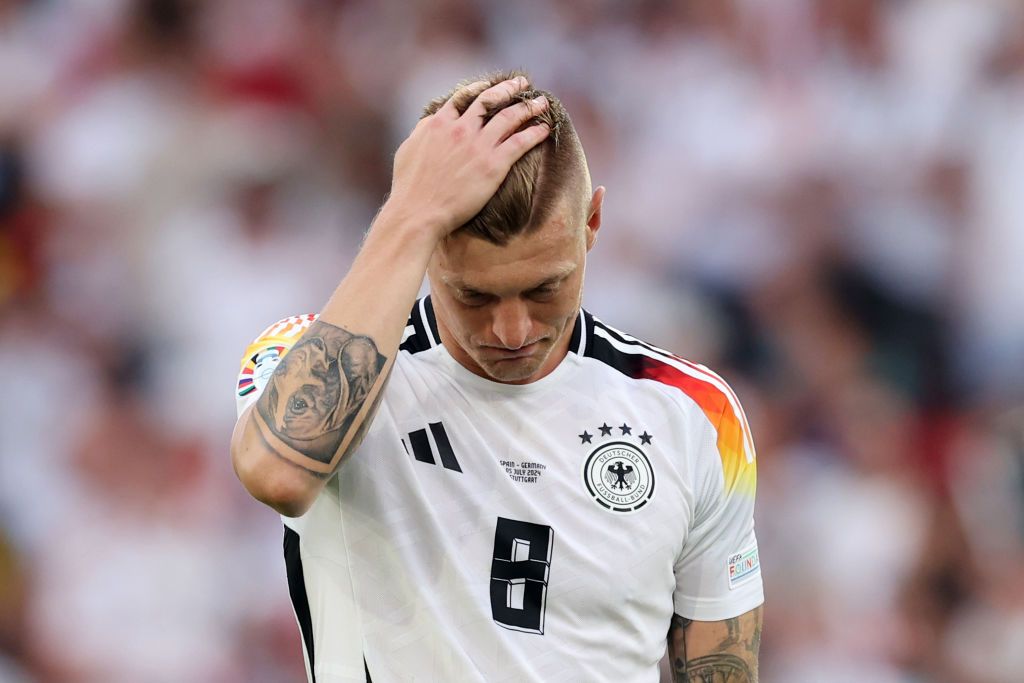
499, 486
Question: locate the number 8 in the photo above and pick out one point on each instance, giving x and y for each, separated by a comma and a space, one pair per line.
519, 574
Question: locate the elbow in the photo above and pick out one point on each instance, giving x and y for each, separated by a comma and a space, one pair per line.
284, 495
278, 484
290, 507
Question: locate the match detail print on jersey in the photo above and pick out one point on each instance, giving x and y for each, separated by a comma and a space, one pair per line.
423, 451
519, 574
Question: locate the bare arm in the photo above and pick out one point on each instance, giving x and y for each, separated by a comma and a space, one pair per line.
321, 398
715, 651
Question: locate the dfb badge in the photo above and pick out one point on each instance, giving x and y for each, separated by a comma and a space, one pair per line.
617, 474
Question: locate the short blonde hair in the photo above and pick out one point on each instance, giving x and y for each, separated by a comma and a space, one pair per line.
543, 179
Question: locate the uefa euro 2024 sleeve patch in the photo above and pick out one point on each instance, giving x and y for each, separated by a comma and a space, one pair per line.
266, 352
258, 369
743, 566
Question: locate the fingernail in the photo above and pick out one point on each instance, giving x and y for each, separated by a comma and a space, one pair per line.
522, 81
540, 99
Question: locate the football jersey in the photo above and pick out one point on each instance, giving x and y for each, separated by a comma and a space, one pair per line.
539, 532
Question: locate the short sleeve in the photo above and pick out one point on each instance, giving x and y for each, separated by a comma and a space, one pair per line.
718, 571
264, 354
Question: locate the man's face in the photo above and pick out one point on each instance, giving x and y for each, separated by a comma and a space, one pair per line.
506, 312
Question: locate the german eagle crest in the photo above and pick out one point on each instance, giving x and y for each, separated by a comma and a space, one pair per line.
618, 474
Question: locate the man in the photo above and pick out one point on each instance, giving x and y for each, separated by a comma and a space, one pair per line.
498, 487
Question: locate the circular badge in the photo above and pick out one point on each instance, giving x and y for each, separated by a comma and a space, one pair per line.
258, 369
619, 477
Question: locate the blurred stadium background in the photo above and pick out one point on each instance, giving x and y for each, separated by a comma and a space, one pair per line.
822, 199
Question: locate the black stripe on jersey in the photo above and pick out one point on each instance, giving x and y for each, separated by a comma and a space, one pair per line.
419, 340
577, 333
421, 446
428, 308
629, 364
585, 327
297, 591
633, 341
444, 447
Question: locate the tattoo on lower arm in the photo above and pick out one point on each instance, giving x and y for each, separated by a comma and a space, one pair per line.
733, 636
716, 668
317, 391
732, 660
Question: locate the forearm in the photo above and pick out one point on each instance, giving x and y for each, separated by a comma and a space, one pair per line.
727, 651
375, 297
320, 400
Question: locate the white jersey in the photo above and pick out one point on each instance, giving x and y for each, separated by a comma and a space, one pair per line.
537, 532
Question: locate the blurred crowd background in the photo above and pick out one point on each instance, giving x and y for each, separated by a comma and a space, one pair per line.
821, 199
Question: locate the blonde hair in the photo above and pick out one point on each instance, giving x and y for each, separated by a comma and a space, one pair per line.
551, 173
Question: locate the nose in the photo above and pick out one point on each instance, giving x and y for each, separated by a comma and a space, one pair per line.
511, 323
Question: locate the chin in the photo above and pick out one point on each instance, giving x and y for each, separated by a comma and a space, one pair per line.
513, 371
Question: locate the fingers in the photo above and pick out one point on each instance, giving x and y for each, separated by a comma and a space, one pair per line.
474, 89
510, 119
501, 134
493, 97
522, 142
486, 98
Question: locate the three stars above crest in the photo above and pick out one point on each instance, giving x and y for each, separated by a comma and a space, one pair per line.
624, 430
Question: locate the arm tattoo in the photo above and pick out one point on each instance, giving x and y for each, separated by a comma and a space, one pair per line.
719, 668
315, 394
732, 660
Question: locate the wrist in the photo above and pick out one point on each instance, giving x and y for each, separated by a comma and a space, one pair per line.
411, 223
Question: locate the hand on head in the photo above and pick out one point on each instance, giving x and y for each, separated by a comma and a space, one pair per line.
452, 164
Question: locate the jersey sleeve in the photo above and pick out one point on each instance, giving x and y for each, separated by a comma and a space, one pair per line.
718, 571
264, 354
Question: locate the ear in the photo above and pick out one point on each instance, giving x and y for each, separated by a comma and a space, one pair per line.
317, 354
594, 216
336, 416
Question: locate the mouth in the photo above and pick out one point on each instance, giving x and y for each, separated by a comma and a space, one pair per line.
495, 354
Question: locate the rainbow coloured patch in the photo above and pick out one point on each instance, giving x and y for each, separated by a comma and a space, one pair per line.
258, 368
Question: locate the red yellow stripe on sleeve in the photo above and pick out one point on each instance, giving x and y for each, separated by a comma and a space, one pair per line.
716, 400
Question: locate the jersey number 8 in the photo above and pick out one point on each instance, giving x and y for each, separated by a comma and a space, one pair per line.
519, 574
